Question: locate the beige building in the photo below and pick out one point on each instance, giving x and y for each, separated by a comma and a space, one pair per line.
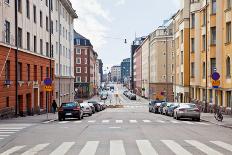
116, 73
161, 63
181, 46
211, 51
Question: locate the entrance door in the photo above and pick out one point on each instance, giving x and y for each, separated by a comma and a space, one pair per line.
28, 102
36, 108
20, 99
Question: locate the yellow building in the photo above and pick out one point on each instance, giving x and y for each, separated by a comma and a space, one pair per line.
181, 38
210, 50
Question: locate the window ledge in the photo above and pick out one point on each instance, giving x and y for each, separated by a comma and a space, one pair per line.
228, 43
228, 77
212, 14
212, 44
227, 10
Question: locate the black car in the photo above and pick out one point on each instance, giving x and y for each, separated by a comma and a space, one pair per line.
70, 110
132, 97
161, 108
96, 105
154, 106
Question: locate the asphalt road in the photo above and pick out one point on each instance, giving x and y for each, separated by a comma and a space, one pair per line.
131, 130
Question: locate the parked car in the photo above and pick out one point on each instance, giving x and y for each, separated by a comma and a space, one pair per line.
154, 106
103, 97
96, 105
162, 105
87, 110
132, 96
165, 109
125, 92
70, 110
103, 105
128, 94
92, 107
171, 109
187, 110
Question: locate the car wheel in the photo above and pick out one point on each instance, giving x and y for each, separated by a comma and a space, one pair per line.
59, 118
63, 118
198, 119
90, 114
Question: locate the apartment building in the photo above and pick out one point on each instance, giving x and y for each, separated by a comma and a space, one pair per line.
211, 51
116, 73
145, 67
181, 49
125, 70
85, 67
137, 61
161, 63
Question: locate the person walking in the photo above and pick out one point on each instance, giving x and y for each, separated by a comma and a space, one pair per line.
54, 106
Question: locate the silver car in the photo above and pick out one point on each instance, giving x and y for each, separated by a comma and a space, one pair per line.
187, 110
86, 109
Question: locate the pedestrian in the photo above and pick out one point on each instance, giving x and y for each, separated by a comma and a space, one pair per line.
54, 106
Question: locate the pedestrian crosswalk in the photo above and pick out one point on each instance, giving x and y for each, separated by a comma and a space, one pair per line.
132, 121
7, 130
123, 147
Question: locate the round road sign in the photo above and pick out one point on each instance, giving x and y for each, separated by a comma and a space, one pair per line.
48, 81
215, 76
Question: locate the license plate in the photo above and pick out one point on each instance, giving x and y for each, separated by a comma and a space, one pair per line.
68, 114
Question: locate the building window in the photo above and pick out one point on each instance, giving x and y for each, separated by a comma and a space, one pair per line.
78, 60
41, 73
28, 9
41, 46
182, 78
28, 72
228, 74
41, 18
203, 42
214, 6
78, 79
20, 70
47, 23
192, 44
47, 71
204, 70
192, 69
56, 25
182, 36
7, 70
35, 44
213, 65
228, 4
47, 49
28, 41
86, 61
78, 51
204, 18
85, 69
228, 98
20, 6
213, 35
228, 32
193, 20
35, 72
20, 35
78, 69
46, 2
34, 13
7, 102
182, 57
7, 27
52, 27
51, 2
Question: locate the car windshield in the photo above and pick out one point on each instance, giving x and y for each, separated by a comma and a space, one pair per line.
68, 105
188, 106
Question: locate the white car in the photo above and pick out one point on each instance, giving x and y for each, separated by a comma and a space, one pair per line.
86, 109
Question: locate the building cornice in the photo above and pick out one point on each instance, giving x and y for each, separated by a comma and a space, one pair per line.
68, 6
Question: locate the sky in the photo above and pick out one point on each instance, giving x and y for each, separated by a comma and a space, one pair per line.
107, 23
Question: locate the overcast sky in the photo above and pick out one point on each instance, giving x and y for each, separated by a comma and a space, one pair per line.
108, 22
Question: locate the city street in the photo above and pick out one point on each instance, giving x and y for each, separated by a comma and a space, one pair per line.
131, 130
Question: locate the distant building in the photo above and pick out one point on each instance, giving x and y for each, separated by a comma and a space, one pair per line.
116, 73
125, 70
85, 67
101, 69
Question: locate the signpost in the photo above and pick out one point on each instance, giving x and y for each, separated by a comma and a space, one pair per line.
47, 88
215, 80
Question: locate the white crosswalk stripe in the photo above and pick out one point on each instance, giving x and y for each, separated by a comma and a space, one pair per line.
117, 147
187, 122
175, 122
63, 148
77, 121
145, 147
63, 122
175, 147
223, 145
160, 121
204, 148
201, 123
119, 121
133, 121
13, 150
91, 121
105, 121
146, 121
90, 148
5, 132
35, 149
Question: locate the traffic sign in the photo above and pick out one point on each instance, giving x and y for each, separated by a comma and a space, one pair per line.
215, 76
48, 81
48, 88
216, 83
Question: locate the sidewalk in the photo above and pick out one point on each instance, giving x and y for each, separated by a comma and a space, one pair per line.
208, 117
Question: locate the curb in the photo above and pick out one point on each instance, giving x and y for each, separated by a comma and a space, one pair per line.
221, 125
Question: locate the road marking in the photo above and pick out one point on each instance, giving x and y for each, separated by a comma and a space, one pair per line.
12, 150
105, 121
145, 147
90, 148
77, 121
176, 122
187, 122
159, 121
7, 132
91, 121
119, 121
63, 122
115, 127
223, 145
176, 148
2, 138
16, 128
63, 148
46, 122
133, 121
35, 149
117, 147
201, 123
204, 148
146, 121
4, 135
